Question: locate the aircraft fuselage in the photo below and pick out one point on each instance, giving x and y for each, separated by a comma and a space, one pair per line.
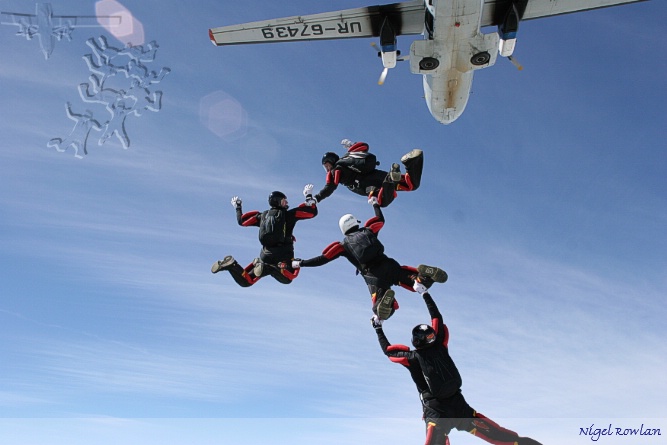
452, 49
449, 55
47, 40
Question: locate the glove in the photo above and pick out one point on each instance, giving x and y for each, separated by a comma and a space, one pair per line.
373, 201
308, 190
346, 143
376, 322
419, 288
296, 263
311, 201
236, 202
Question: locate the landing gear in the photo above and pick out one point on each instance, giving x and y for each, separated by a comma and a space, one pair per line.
428, 24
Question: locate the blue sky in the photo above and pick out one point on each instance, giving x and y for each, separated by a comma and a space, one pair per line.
545, 202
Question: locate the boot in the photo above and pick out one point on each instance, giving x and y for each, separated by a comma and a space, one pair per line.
386, 305
412, 155
226, 263
436, 274
395, 173
259, 267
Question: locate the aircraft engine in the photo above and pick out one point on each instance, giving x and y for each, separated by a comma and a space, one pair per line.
507, 30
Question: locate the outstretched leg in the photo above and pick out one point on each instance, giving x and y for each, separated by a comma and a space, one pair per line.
427, 275
385, 194
243, 277
436, 433
383, 300
486, 429
281, 271
281, 275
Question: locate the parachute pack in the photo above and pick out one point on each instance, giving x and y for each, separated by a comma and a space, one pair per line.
272, 227
363, 245
359, 161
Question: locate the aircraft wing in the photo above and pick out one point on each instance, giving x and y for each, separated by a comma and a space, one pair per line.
10, 18
406, 18
534, 9
87, 21
59, 21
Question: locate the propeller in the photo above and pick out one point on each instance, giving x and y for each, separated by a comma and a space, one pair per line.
515, 63
383, 76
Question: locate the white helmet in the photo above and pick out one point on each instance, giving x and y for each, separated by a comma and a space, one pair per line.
348, 222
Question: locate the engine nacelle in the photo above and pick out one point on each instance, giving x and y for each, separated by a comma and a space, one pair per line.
421, 57
507, 31
388, 45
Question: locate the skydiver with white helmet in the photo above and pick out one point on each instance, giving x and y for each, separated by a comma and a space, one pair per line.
275, 234
439, 382
362, 248
357, 171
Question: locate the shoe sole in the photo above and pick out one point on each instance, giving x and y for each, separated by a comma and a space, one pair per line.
395, 173
259, 267
413, 154
222, 265
386, 305
436, 274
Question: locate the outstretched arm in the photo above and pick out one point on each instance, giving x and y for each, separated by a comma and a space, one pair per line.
433, 310
436, 319
330, 253
304, 211
396, 353
245, 219
377, 222
317, 261
378, 211
237, 203
333, 177
382, 339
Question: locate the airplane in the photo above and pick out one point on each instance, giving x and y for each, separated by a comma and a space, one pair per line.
452, 49
48, 27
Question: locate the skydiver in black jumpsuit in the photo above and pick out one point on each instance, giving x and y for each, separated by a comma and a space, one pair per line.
439, 383
362, 248
273, 260
379, 183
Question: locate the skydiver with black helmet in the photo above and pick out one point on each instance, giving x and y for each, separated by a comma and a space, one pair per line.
364, 250
357, 171
275, 234
439, 382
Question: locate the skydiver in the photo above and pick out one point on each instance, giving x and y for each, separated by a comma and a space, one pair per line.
276, 226
366, 180
439, 382
362, 248
78, 137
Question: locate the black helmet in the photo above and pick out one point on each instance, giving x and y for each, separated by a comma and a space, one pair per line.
275, 199
330, 157
423, 335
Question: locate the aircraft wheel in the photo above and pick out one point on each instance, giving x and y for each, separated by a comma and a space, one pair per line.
480, 59
428, 63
